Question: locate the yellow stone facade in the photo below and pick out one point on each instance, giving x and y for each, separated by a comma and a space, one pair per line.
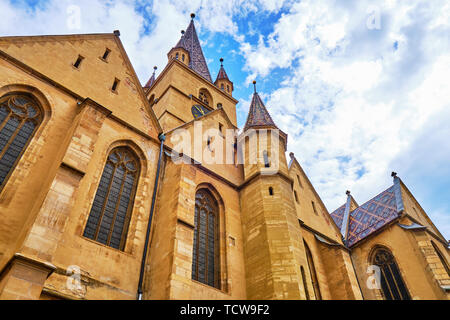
276, 239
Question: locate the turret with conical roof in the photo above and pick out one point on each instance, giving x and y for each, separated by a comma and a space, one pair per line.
258, 116
222, 81
152, 79
270, 222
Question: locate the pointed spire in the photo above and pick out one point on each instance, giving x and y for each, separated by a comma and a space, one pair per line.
189, 41
398, 193
152, 79
258, 116
222, 75
346, 217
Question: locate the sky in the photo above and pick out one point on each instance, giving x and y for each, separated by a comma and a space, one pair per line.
361, 87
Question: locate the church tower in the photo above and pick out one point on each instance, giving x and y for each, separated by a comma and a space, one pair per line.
273, 245
184, 90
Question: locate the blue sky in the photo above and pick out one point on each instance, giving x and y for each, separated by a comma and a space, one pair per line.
361, 87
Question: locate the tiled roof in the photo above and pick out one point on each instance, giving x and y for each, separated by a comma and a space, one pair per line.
222, 75
150, 81
369, 217
258, 114
189, 41
338, 215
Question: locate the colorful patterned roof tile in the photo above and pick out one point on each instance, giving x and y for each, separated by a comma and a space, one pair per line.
369, 217
222, 75
189, 41
338, 215
258, 116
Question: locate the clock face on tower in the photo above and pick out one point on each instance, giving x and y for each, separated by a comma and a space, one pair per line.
199, 110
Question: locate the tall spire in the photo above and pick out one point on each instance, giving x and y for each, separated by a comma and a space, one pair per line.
258, 116
189, 41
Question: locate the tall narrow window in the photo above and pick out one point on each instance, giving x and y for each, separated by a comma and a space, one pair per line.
205, 260
391, 280
295, 196
78, 62
441, 257
314, 207
299, 181
266, 159
20, 116
304, 283
106, 54
312, 271
115, 85
110, 213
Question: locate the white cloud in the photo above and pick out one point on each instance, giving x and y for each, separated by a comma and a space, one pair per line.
355, 102
355, 99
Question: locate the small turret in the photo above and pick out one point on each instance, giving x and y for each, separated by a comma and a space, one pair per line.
222, 81
179, 52
152, 79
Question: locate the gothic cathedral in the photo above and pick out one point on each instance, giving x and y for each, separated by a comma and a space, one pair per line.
99, 201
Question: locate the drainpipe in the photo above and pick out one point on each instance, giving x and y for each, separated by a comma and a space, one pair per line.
162, 138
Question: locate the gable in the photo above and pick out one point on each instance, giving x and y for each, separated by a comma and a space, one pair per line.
415, 210
318, 219
55, 56
228, 171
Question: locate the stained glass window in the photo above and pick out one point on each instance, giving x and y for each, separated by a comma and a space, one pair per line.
110, 213
205, 260
20, 116
392, 283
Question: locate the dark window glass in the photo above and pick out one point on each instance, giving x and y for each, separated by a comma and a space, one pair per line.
78, 62
392, 283
205, 259
110, 213
115, 85
106, 54
304, 283
20, 116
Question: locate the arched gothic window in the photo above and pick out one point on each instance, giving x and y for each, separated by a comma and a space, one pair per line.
110, 213
20, 116
205, 97
312, 271
391, 280
205, 260
302, 270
